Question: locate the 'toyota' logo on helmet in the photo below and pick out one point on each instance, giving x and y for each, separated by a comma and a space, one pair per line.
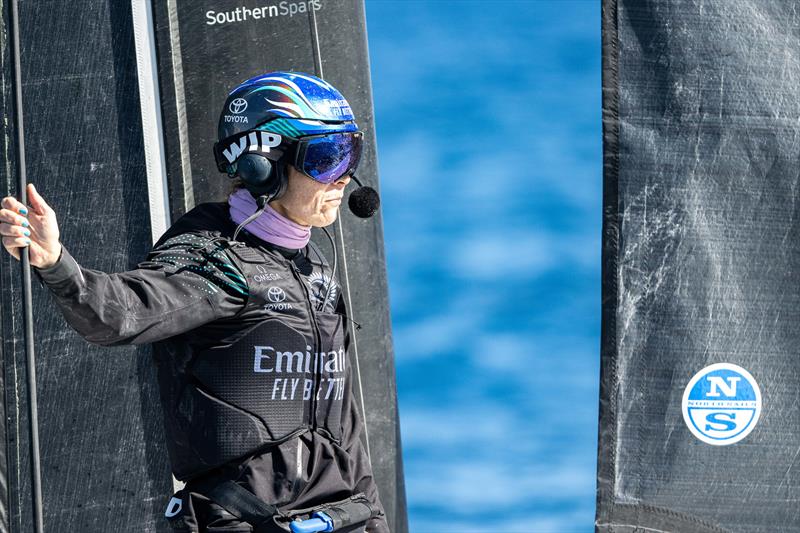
238, 106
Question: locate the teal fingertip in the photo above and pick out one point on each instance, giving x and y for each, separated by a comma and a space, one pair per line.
27, 242
23, 210
26, 233
24, 223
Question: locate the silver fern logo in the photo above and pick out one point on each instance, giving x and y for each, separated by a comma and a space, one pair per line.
319, 284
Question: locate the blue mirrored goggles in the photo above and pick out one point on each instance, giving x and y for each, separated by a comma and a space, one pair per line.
325, 157
329, 157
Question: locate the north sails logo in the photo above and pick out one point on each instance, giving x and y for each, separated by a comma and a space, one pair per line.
254, 141
721, 404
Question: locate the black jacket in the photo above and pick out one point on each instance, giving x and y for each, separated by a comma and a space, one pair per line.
242, 340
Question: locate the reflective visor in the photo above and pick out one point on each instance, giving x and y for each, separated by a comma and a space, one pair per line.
328, 158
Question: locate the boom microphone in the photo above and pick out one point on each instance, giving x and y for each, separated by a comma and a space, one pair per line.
364, 201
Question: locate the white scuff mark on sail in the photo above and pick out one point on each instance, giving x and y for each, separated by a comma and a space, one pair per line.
644, 276
789, 469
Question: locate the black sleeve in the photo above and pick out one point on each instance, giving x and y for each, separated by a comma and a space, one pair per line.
353, 433
185, 282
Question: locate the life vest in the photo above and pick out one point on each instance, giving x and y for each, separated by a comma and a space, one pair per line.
276, 369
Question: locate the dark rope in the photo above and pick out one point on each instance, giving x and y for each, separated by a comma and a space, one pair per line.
348, 299
27, 303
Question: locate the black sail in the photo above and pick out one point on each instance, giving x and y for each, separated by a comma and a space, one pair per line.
699, 418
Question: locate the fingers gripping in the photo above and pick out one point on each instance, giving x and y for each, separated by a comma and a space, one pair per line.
34, 226
13, 206
14, 226
38, 203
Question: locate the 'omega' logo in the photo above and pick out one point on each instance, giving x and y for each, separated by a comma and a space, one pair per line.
276, 294
238, 106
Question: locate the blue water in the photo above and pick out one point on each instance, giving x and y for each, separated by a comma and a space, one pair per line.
488, 131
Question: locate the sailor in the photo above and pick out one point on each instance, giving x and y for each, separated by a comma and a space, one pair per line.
248, 324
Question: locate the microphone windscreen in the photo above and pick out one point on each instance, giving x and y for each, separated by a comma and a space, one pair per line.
364, 202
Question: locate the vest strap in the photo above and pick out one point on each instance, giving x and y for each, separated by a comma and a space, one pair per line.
356, 509
242, 503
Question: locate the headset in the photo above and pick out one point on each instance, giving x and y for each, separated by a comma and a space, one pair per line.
261, 175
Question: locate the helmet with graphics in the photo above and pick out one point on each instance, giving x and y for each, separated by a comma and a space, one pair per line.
264, 117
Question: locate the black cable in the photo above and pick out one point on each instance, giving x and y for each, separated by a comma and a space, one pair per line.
348, 300
262, 202
27, 302
333, 275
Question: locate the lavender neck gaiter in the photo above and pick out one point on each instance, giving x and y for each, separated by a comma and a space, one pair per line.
270, 226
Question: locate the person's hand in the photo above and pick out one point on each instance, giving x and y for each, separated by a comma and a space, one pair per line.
35, 227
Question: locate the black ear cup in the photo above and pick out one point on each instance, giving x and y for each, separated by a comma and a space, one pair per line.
262, 176
254, 169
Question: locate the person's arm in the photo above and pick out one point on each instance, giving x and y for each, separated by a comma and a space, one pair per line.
185, 282
352, 430
179, 287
